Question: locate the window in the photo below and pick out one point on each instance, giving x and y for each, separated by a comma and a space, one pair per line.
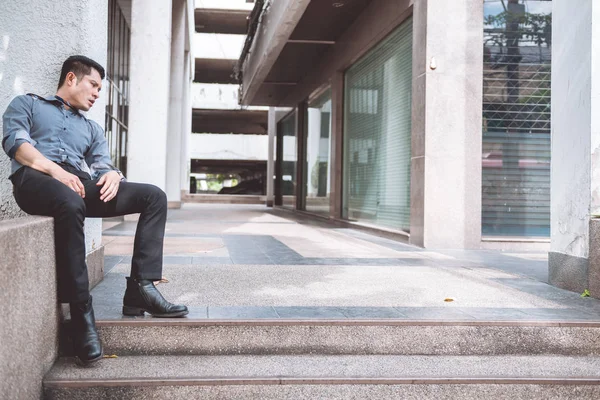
516, 118
377, 133
318, 154
117, 77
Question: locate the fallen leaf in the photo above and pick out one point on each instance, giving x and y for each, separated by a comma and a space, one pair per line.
448, 299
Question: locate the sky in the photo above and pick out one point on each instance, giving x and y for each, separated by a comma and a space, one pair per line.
494, 7
224, 4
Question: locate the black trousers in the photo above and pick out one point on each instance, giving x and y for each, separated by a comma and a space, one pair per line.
40, 194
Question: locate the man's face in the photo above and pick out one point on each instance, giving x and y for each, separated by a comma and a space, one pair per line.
83, 93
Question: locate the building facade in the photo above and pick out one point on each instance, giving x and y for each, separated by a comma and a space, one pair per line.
432, 121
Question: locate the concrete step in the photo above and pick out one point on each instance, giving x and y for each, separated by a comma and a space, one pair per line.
327, 377
153, 336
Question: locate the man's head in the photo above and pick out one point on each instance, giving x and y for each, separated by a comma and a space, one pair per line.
80, 82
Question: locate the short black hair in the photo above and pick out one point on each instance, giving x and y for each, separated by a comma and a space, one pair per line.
80, 66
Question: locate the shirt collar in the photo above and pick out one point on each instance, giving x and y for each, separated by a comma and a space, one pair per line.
55, 99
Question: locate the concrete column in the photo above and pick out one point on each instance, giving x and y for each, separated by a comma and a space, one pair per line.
574, 259
446, 123
175, 134
301, 156
336, 165
272, 124
186, 125
277, 190
149, 86
313, 142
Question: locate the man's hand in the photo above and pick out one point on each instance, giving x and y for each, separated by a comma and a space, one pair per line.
110, 185
68, 179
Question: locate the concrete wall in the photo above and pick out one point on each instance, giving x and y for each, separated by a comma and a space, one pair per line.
35, 39
35, 43
575, 169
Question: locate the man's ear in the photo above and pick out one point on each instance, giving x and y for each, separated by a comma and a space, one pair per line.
71, 79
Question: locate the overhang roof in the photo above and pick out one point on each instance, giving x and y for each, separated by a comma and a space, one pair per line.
294, 45
227, 166
210, 70
249, 122
221, 21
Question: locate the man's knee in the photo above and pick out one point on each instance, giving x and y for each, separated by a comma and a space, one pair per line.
74, 206
157, 196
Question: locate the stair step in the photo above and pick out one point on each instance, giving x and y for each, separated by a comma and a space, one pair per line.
331, 377
148, 336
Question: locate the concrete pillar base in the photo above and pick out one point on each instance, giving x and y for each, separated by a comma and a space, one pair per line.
173, 205
568, 272
95, 266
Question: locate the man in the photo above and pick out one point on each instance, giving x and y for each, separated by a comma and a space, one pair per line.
51, 143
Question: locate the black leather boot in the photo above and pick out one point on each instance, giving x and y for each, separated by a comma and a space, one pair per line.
86, 341
142, 296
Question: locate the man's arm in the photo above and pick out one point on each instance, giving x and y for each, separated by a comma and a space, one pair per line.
29, 156
101, 166
19, 145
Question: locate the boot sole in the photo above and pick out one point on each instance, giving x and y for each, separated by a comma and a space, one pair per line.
88, 363
136, 311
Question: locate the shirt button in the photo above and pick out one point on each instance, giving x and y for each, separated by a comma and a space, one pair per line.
64, 129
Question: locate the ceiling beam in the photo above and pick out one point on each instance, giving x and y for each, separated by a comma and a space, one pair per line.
214, 71
308, 41
247, 122
276, 27
221, 21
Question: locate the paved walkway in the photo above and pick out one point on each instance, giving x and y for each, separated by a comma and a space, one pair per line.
247, 262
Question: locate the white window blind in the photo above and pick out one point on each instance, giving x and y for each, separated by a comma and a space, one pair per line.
516, 120
377, 133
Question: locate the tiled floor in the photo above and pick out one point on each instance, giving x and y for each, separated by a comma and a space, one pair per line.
243, 262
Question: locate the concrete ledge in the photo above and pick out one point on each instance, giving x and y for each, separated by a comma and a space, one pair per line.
29, 323
29, 320
224, 198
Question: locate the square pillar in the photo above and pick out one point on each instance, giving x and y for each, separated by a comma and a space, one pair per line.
574, 259
176, 104
272, 130
336, 165
149, 92
301, 156
277, 190
446, 123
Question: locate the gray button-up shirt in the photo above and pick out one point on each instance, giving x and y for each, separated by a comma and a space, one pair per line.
61, 135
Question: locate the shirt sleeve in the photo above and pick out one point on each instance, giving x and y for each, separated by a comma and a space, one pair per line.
16, 124
97, 157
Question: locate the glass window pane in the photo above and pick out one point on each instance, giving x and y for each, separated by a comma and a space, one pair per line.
318, 154
516, 118
377, 133
289, 165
